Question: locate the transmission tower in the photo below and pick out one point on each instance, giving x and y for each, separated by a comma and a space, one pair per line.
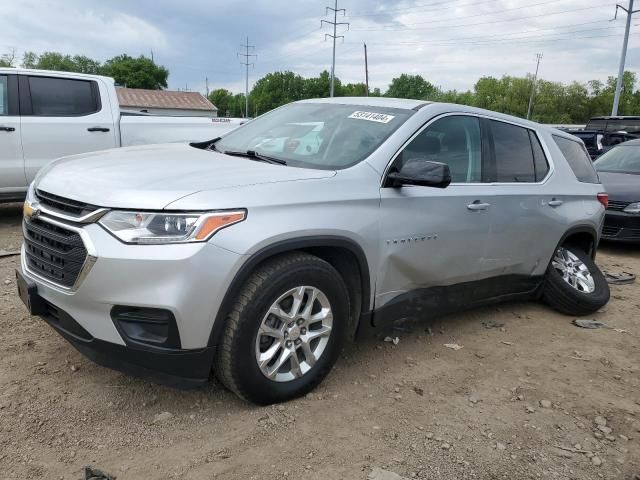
335, 24
246, 56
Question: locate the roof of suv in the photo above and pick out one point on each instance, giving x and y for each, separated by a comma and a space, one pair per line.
403, 103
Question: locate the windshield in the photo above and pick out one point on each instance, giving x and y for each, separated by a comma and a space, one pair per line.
316, 135
624, 159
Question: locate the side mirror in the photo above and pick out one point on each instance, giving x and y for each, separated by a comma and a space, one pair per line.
422, 173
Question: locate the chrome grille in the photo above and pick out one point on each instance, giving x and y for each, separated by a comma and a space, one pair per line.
610, 230
65, 205
617, 206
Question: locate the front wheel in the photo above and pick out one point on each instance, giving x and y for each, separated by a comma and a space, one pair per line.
574, 285
285, 331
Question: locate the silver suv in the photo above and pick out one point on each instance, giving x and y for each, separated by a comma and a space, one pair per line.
257, 255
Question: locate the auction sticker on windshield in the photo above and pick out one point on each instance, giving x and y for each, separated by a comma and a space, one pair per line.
372, 116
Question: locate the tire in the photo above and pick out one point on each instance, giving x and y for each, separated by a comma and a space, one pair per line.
237, 358
572, 300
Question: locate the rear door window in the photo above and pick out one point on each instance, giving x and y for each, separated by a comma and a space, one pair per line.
62, 97
513, 153
578, 159
540, 163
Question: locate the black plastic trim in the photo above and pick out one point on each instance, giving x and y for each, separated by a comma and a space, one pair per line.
121, 315
6, 197
13, 109
289, 246
25, 95
436, 301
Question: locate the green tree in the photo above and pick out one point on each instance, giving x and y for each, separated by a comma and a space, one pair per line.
353, 90
320, 86
29, 60
62, 63
223, 100
411, 86
275, 89
55, 61
8, 59
139, 72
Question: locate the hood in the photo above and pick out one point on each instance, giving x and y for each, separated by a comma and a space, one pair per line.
621, 187
152, 176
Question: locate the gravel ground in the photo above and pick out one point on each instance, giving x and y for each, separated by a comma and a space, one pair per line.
528, 395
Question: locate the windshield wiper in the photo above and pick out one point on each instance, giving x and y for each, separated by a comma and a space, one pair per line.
257, 156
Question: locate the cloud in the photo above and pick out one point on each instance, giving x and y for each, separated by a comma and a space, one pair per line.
450, 43
77, 27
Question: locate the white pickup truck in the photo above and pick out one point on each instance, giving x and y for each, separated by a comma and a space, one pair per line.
45, 115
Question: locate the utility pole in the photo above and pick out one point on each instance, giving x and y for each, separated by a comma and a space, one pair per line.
533, 87
630, 11
246, 63
152, 56
206, 82
366, 69
335, 23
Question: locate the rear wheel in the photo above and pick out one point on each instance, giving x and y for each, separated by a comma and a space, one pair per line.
285, 331
574, 285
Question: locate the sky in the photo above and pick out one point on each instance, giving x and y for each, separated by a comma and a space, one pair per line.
451, 43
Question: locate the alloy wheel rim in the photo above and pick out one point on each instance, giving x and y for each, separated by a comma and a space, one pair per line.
293, 334
573, 271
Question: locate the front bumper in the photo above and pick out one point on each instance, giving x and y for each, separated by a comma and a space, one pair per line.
621, 227
174, 367
188, 280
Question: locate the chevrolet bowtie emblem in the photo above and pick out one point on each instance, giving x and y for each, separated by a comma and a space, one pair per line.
30, 210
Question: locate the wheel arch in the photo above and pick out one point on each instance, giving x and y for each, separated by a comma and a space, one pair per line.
344, 254
585, 237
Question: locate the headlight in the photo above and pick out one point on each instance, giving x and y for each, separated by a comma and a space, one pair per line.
160, 228
633, 208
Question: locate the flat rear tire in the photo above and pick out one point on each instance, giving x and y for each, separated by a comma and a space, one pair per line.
574, 285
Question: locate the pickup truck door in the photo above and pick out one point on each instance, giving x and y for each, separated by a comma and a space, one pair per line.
11, 161
63, 116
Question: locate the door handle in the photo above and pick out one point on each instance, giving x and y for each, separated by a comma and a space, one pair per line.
555, 202
7, 129
477, 205
97, 129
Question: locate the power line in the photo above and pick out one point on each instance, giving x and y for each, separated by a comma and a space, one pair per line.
378, 13
497, 38
335, 23
546, 14
246, 63
502, 35
623, 55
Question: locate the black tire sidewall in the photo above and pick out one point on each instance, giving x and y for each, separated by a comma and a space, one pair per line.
250, 380
579, 303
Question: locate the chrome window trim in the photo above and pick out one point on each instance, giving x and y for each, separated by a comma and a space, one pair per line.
88, 264
477, 115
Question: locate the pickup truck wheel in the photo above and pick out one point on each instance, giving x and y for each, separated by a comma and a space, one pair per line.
574, 284
285, 330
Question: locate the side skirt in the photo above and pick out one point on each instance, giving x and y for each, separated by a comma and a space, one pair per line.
431, 302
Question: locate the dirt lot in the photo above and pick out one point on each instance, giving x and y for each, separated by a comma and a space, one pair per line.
519, 400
